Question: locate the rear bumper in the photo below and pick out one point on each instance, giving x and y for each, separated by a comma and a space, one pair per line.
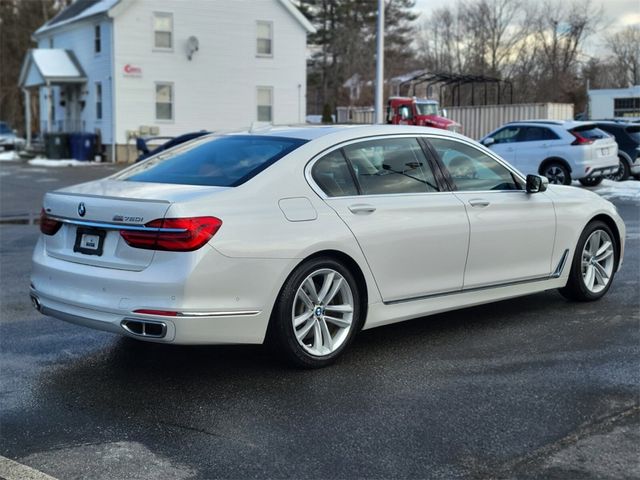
601, 172
217, 328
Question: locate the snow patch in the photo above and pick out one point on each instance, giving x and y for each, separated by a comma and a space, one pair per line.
627, 190
47, 162
9, 156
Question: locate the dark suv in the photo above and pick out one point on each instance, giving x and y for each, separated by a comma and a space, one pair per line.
627, 137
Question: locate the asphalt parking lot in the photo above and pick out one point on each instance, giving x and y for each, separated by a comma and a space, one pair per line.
535, 387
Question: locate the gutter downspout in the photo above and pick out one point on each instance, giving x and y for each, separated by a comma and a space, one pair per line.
27, 116
113, 92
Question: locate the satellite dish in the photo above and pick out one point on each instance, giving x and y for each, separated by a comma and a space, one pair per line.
192, 46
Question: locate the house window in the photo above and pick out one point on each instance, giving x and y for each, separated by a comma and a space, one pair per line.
265, 104
163, 30
50, 42
98, 101
626, 107
265, 38
97, 46
164, 101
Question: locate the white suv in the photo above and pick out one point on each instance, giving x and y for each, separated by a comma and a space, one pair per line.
562, 151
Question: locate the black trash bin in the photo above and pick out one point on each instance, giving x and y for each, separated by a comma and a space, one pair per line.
56, 145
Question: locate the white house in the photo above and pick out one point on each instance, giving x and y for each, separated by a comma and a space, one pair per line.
165, 67
615, 103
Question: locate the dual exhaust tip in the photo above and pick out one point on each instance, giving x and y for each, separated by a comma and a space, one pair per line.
36, 303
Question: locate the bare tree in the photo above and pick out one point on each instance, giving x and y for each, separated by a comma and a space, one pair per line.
625, 48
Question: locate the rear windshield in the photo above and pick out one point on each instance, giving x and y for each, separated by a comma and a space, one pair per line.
634, 132
226, 161
591, 132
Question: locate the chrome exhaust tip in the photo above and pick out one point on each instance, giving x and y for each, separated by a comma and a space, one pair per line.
35, 302
144, 328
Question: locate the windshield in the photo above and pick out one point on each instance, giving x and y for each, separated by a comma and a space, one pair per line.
4, 128
427, 108
634, 132
226, 161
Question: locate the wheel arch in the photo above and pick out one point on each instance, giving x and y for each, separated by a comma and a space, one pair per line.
610, 222
549, 160
625, 156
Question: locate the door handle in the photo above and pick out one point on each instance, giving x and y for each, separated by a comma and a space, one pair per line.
362, 208
477, 202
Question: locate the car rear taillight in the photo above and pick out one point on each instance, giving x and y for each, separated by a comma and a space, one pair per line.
48, 225
174, 234
580, 140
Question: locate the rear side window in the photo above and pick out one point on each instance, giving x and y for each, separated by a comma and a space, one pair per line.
226, 161
390, 166
533, 134
332, 175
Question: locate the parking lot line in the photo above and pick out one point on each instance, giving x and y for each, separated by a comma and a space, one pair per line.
11, 470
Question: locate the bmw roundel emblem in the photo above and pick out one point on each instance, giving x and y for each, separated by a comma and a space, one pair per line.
82, 209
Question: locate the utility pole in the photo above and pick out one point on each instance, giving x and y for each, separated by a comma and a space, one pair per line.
379, 115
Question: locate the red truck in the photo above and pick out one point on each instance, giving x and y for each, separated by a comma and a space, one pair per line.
419, 111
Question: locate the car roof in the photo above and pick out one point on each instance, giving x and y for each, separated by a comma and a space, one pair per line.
312, 132
567, 124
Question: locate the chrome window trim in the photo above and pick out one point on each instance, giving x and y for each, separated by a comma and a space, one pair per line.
116, 226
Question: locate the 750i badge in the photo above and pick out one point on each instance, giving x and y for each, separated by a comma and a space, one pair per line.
121, 218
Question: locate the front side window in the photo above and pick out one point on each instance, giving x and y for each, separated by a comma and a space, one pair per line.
390, 166
332, 175
98, 101
97, 43
507, 135
265, 104
473, 170
163, 30
164, 101
224, 161
265, 38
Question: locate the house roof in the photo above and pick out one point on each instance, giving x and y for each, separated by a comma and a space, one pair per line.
81, 9
44, 66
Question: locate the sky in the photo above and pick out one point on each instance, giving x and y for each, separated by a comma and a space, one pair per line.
617, 14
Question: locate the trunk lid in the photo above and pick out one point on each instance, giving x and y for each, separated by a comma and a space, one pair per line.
94, 213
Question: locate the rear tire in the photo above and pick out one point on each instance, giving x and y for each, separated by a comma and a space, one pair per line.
557, 173
594, 264
623, 173
591, 181
317, 314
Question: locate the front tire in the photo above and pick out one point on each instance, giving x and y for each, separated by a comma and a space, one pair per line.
591, 181
557, 173
317, 313
594, 264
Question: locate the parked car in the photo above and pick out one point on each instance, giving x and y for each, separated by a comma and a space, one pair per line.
9, 139
146, 152
561, 151
627, 136
304, 236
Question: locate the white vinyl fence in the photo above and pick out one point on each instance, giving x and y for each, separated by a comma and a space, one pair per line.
477, 121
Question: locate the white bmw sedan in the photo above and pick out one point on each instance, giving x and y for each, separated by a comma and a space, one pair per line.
304, 236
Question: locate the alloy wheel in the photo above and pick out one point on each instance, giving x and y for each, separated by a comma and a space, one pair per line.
597, 261
322, 313
555, 175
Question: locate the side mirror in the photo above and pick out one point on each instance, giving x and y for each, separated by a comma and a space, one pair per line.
444, 112
536, 183
487, 142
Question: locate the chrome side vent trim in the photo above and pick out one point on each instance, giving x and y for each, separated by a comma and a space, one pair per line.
563, 261
144, 328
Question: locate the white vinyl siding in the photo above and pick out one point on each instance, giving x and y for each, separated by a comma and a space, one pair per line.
265, 104
164, 101
265, 39
163, 31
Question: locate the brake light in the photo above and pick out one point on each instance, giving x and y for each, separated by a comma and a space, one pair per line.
48, 225
190, 234
580, 140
